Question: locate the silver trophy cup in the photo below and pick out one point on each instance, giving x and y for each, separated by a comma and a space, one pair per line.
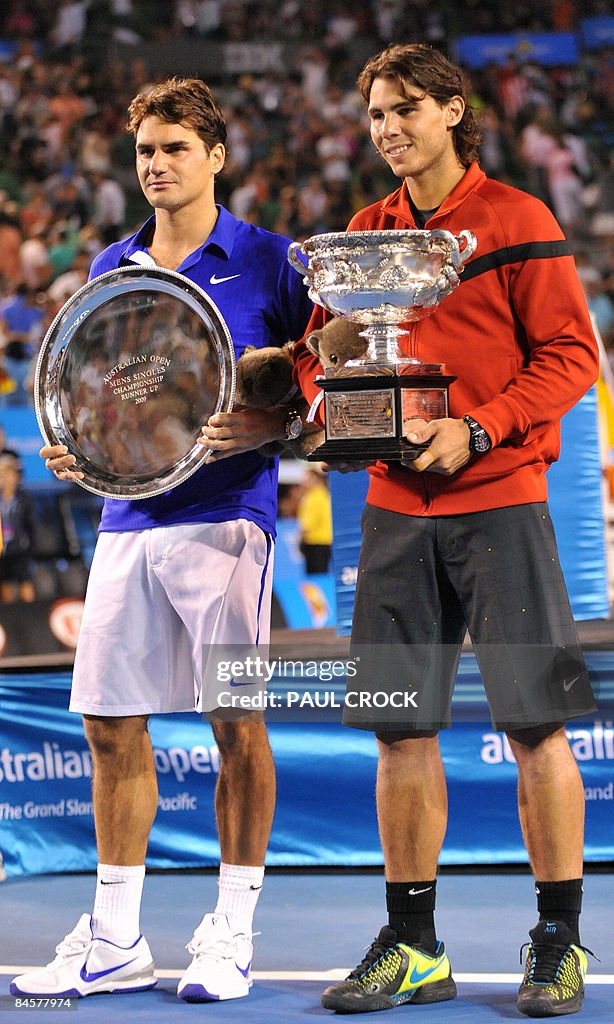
130, 369
382, 280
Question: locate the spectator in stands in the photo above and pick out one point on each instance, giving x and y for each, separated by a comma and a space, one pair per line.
536, 143
313, 67
564, 184
21, 21
67, 31
513, 87
314, 201
334, 152
109, 203
34, 257
289, 497
10, 244
315, 520
200, 17
36, 213
21, 324
71, 280
68, 107
95, 151
16, 534
602, 222
11, 453
71, 198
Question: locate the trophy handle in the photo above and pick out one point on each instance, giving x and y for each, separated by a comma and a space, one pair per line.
293, 249
453, 243
470, 245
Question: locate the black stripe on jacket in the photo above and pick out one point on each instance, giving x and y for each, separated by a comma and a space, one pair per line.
515, 254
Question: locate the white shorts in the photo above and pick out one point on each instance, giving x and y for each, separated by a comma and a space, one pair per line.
157, 602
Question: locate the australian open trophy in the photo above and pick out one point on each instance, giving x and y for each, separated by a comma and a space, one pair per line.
381, 279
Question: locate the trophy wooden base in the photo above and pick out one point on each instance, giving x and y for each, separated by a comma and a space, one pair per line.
367, 450
367, 416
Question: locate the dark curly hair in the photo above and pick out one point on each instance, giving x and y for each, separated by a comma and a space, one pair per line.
427, 69
186, 101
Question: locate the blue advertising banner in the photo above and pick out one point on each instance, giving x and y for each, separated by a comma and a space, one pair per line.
597, 32
550, 49
575, 489
307, 602
325, 808
348, 494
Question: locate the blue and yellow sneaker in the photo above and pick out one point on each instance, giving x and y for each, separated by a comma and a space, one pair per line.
391, 974
554, 972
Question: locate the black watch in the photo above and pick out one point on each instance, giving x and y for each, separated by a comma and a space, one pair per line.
479, 441
293, 427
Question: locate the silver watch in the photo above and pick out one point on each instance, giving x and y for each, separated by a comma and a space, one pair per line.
293, 427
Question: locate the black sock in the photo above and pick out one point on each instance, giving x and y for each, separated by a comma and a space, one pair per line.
411, 912
561, 901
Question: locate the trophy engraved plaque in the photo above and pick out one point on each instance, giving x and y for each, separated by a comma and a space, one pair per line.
130, 369
381, 279
369, 411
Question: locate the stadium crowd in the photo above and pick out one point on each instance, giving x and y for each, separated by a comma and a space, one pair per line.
299, 162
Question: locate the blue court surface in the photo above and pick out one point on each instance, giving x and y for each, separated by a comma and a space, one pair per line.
314, 927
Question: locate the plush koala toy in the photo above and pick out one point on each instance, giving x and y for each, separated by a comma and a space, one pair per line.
337, 342
264, 379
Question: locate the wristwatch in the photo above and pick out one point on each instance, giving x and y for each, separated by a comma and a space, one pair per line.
293, 427
479, 441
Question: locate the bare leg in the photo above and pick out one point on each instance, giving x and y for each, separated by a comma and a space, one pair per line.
124, 787
245, 793
412, 805
550, 805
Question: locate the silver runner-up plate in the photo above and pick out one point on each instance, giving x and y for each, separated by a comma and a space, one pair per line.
131, 368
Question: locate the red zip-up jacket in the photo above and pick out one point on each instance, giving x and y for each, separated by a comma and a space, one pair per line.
516, 333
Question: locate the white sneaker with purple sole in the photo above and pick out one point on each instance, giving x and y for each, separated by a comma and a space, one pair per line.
221, 963
85, 964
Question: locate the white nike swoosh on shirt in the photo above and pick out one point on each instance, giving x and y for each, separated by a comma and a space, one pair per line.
220, 280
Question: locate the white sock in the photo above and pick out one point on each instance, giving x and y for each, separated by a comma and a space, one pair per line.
239, 889
118, 903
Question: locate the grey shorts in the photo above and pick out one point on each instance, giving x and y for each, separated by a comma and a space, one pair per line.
423, 582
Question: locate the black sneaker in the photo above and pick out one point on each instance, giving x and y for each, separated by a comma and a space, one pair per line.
392, 973
554, 972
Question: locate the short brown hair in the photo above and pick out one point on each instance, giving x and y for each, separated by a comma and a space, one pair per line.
186, 101
428, 70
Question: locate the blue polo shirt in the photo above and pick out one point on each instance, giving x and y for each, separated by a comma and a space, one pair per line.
264, 302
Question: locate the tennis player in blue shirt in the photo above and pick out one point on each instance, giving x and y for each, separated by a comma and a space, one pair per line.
188, 568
